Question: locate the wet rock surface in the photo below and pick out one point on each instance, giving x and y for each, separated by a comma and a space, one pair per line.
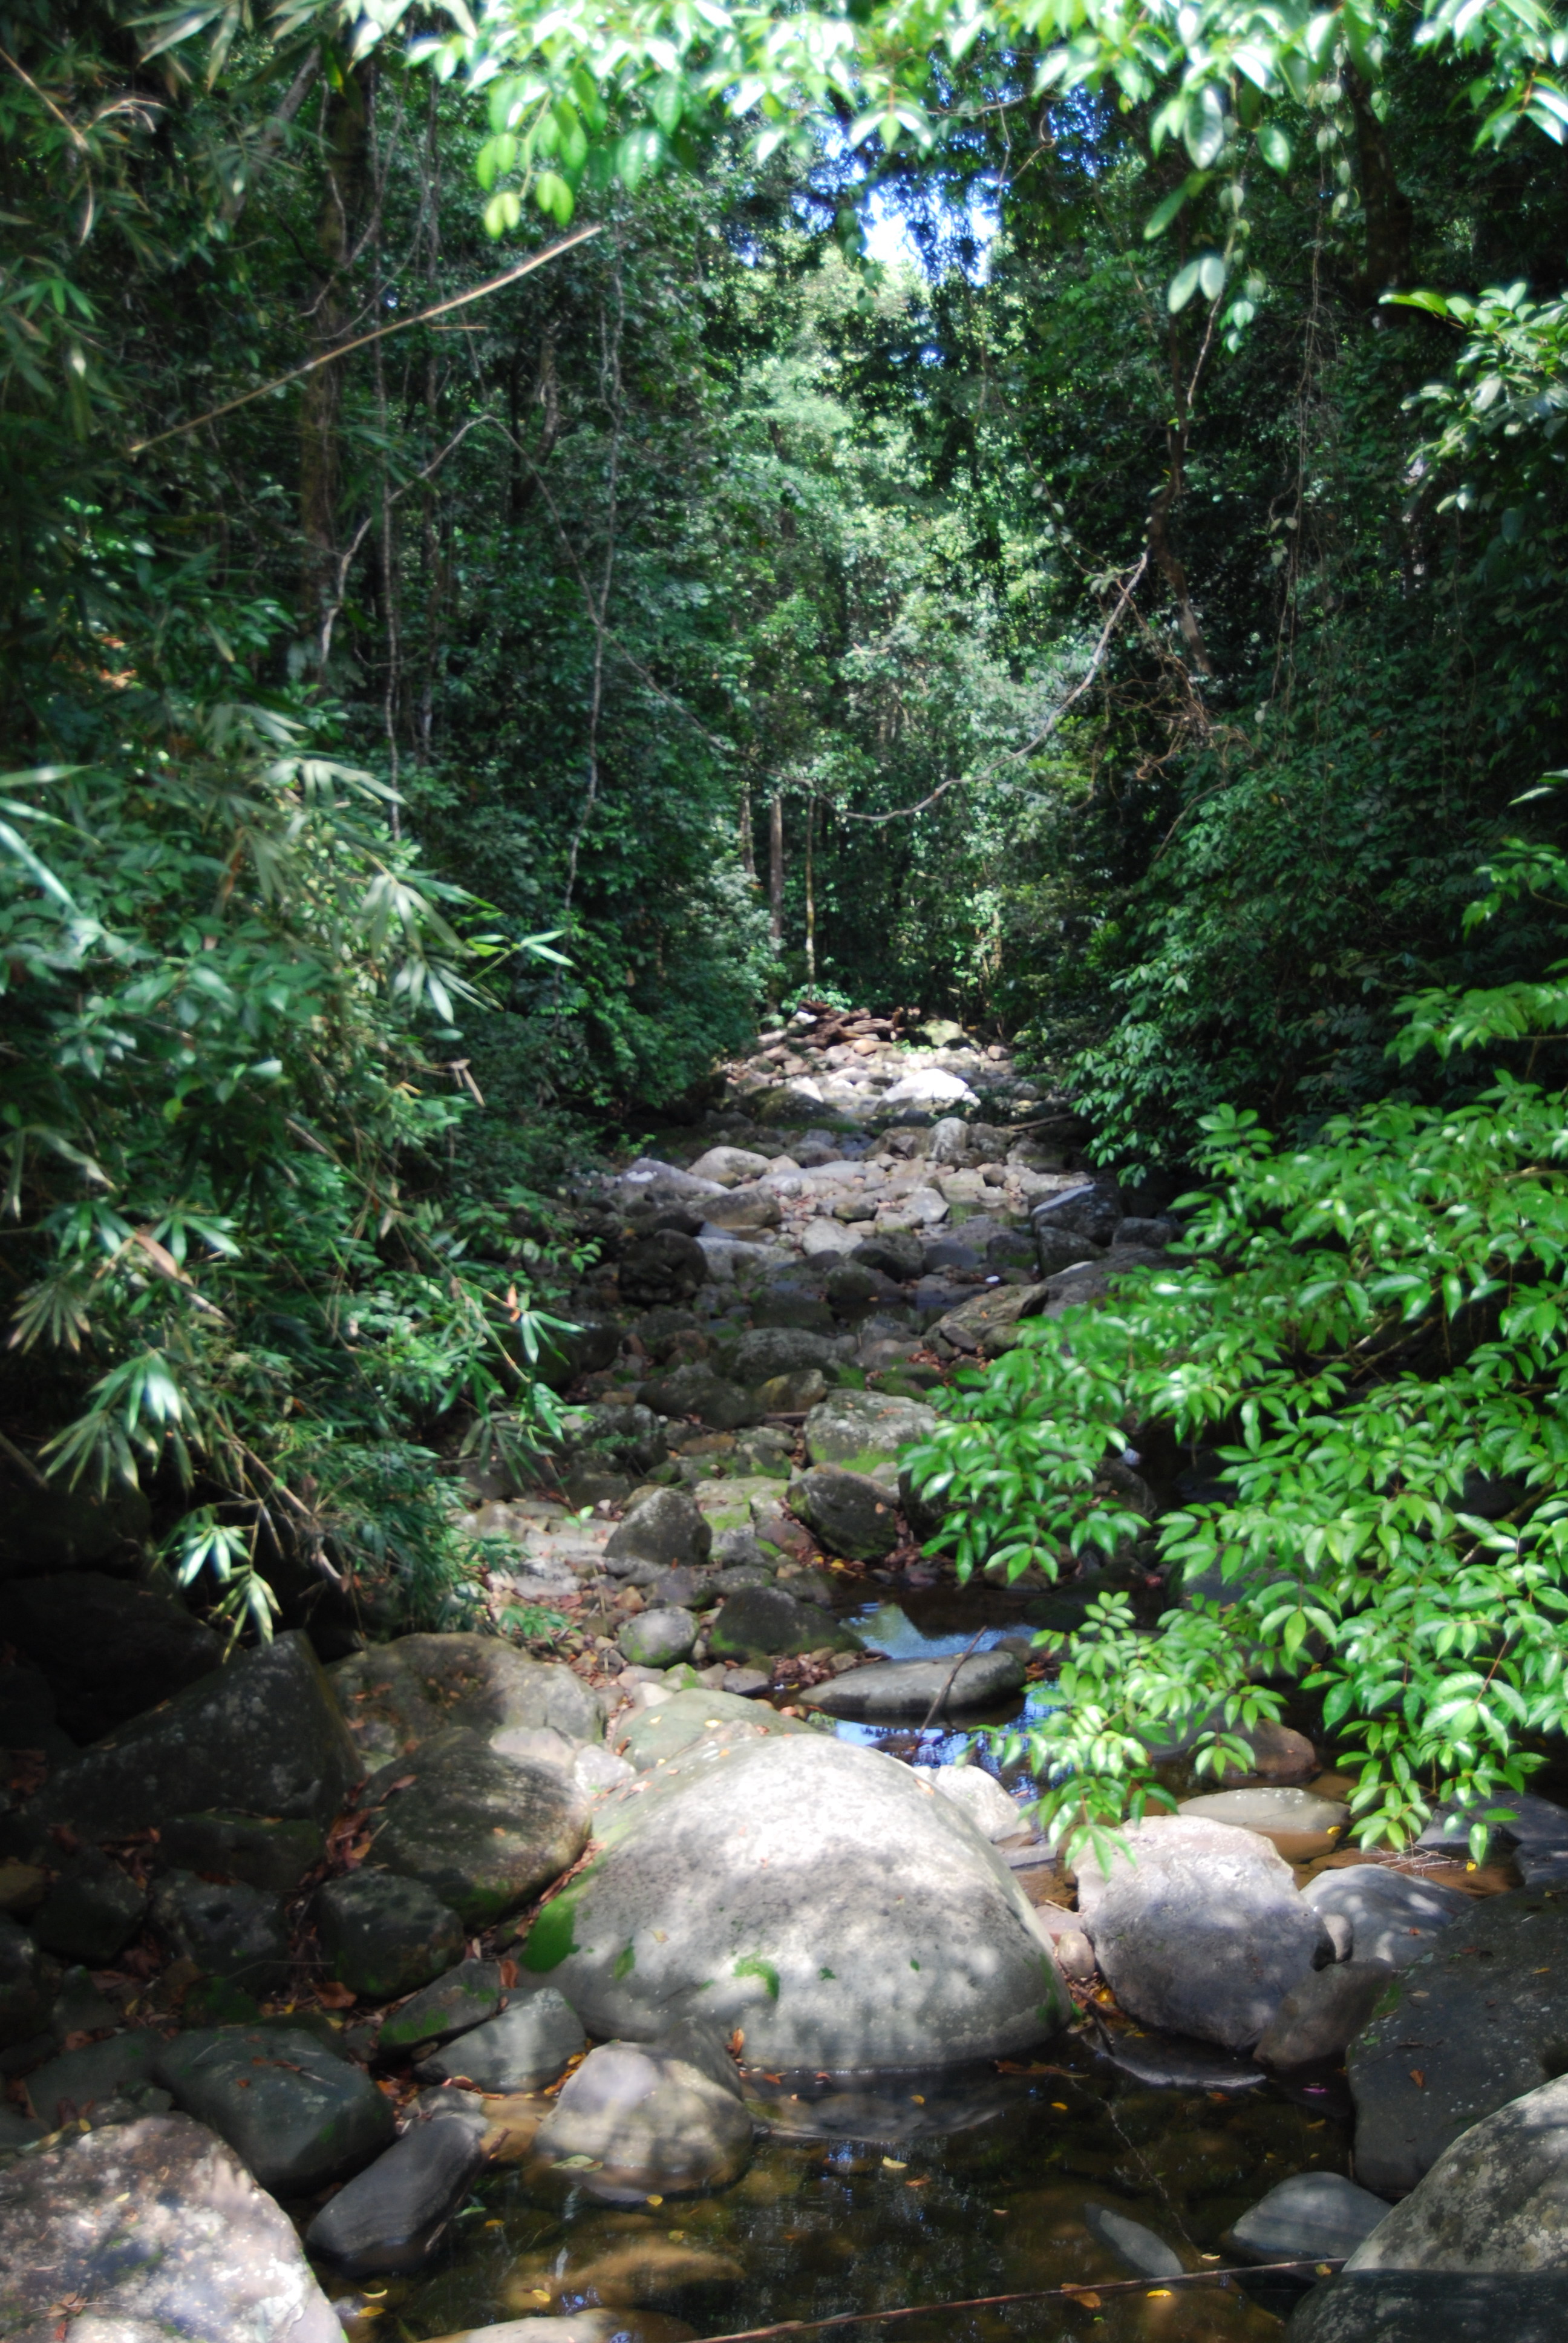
637, 2121
1495, 2200
394, 2214
481, 1831
295, 2113
385, 1935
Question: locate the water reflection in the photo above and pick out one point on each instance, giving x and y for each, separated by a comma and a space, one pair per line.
994, 2204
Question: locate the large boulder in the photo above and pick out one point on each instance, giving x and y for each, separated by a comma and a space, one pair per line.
864, 1431
92, 1911
852, 1514
765, 1351
1390, 1916
1495, 2201
483, 1832
990, 1323
812, 1894
1198, 1928
258, 1849
396, 1695
664, 1266
910, 1690
109, 1649
224, 1930
1479, 2020
149, 2229
1093, 1210
1423, 2307
635, 2122
297, 2114
657, 1734
266, 1729
762, 1622
699, 1389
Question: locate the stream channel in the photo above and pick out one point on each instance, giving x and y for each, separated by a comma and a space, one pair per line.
933, 2187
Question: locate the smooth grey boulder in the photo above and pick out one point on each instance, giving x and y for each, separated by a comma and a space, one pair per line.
1478, 2020
697, 1389
852, 1514
385, 1935
226, 1929
1137, 2248
904, 1689
1495, 2201
393, 2215
296, 2113
657, 1734
1093, 1210
764, 1352
990, 1322
1323, 2014
1427, 2307
1275, 1811
812, 1894
527, 2045
638, 2120
728, 1165
92, 1911
482, 1831
109, 1648
156, 2229
763, 1621
465, 1997
864, 1431
666, 1528
658, 1638
266, 1728
1391, 1917
1199, 1930
1311, 2217
398, 1696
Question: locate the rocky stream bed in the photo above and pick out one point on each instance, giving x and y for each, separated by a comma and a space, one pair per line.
696, 1969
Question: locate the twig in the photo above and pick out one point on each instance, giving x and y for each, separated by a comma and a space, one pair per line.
952, 1678
25, 1465
363, 341
1075, 2293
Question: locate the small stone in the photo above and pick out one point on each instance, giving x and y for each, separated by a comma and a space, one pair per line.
660, 1638
531, 2042
1322, 2015
794, 1394
465, 1997
636, 2120
296, 2114
79, 2081
1075, 1956
1311, 2217
683, 1590
1137, 2248
765, 1351
92, 1911
384, 1936
228, 1930
393, 2215
892, 1254
663, 1267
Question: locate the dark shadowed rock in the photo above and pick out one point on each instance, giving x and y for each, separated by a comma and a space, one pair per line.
765, 1621
25, 1990
254, 1848
465, 1997
769, 1351
699, 1389
399, 1694
108, 1649
1430, 2307
910, 1689
266, 1729
392, 2215
156, 2230
666, 1528
79, 2082
1093, 1211
297, 2114
1391, 1917
852, 1514
229, 1930
385, 1935
1493, 2202
524, 2046
1480, 2019
92, 1911
1323, 2014
663, 1267
483, 1832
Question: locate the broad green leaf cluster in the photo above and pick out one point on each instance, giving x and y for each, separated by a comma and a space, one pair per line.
1369, 1338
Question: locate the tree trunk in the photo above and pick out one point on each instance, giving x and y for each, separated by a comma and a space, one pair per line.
776, 870
346, 129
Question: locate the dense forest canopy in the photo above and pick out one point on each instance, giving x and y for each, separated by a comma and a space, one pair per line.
441, 719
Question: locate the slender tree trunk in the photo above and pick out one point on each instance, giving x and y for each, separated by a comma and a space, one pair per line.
811, 894
776, 870
748, 847
346, 119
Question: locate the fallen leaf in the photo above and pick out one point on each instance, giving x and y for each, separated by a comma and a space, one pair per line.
508, 1976
1417, 2078
333, 1995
